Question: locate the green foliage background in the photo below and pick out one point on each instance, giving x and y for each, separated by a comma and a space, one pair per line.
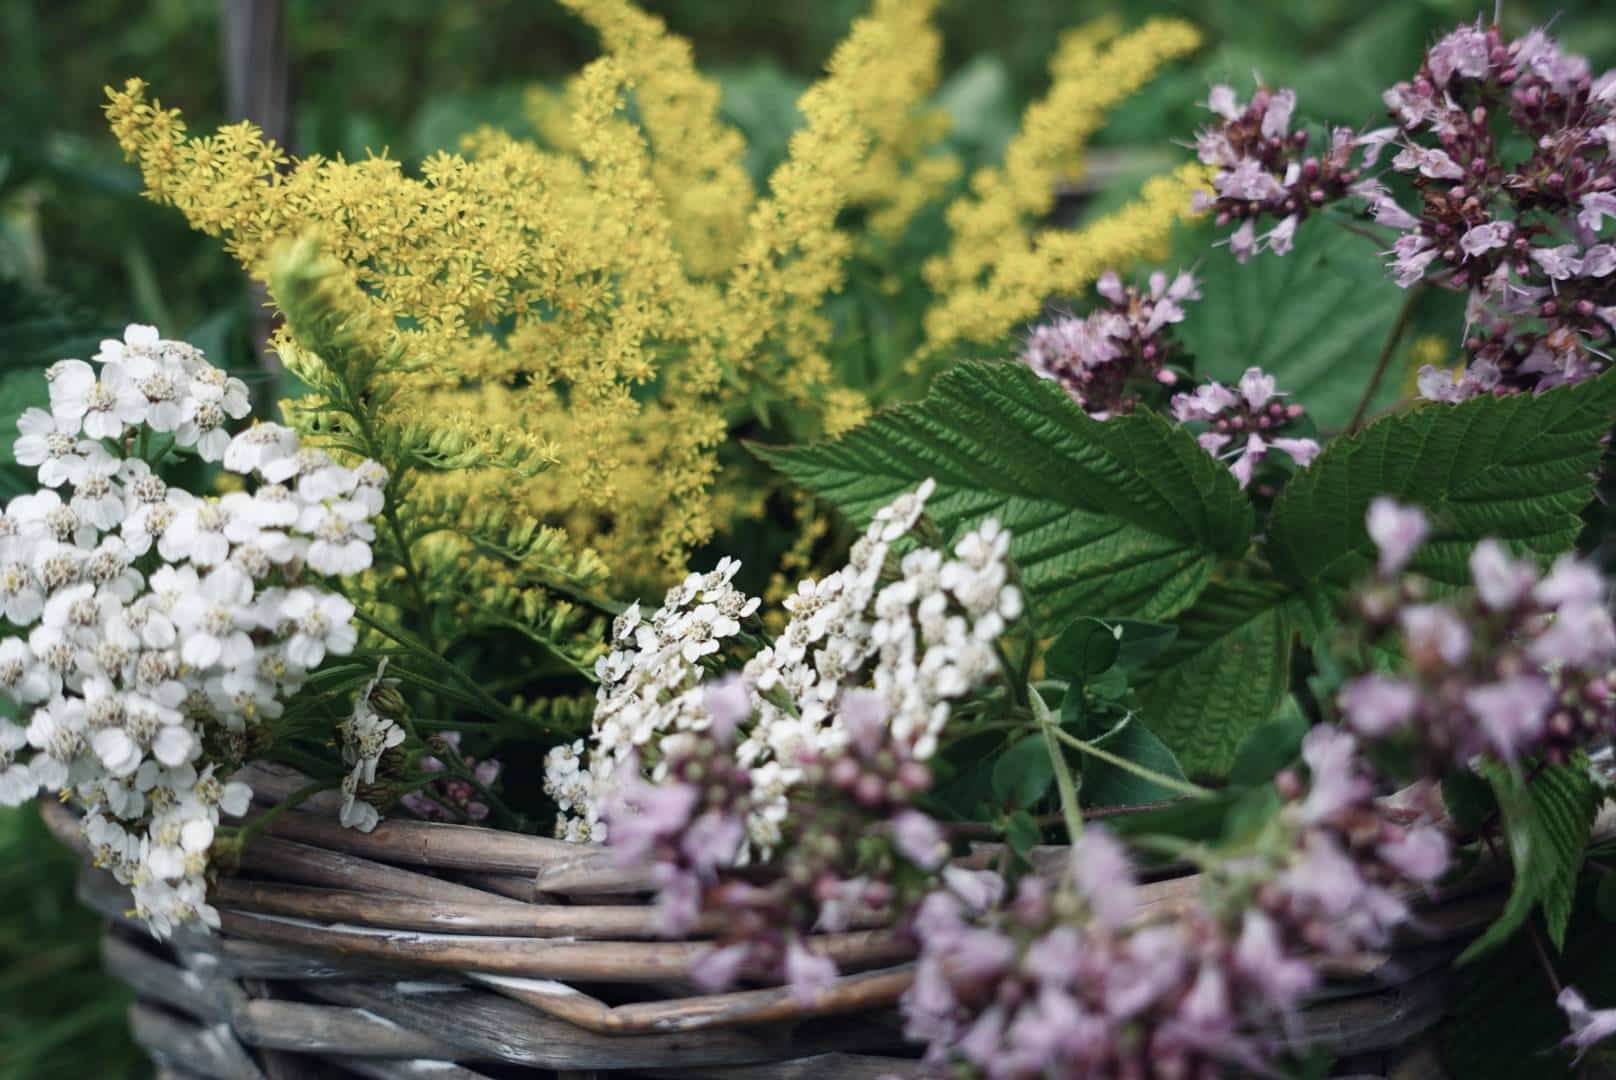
81, 251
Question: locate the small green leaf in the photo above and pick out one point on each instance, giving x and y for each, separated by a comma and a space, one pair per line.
1126, 516
1022, 832
1083, 650
1105, 784
1271, 747
1546, 822
1023, 773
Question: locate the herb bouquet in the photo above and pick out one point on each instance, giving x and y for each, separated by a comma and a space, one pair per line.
1146, 696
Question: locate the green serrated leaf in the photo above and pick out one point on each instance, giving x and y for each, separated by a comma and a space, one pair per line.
1547, 826
1270, 747
1315, 320
1224, 676
1105, 784
1517, 468
1126, 516
1023, 773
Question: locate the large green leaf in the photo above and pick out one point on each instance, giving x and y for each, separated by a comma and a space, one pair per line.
1547, 825
1124, 517
1516, 468
1315, 319
1225, 675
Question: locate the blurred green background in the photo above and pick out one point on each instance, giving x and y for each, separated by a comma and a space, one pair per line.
81, 252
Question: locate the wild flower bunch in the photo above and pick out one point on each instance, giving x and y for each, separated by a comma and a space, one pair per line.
851, 848
1073, 977
918, 630
1146, 568
1124, 352
1500, 182
1520, 666
1263, 169
153, 635
1118, 352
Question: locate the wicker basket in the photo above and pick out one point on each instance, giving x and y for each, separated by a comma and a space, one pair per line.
456, 952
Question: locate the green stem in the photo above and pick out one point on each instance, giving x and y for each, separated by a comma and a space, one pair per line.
480, 697
1063, 771
1383, 362
1183, 787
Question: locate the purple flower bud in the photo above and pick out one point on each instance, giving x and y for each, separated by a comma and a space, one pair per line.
1432, 632
1260, 957
1396, 530
1581, 634
1250, 457
979, 890
1377, 705
1596, 206
1276, 119
1481, 239
1501, 582
1420, 854
919, 839
1463, 52
809, 974
1222, 100
1570, 581
716, 969
1511, 712
1301, 451
864, 714
728, 703
711, 841
1101, 870
1332, 760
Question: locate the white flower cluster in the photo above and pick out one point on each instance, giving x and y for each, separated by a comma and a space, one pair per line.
922, 641
147, 631
366, 736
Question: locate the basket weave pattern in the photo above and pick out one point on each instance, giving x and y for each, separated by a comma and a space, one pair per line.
425, 949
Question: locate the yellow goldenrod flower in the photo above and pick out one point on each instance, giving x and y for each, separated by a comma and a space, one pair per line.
569, 331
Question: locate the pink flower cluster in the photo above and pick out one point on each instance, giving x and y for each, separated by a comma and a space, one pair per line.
1243, 423
1522, 665
1263, 170
1069, 979
853, 844
452, 798
1109, 358
1522, 234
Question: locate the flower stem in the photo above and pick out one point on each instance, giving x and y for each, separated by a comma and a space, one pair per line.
1383, 362
1171, 783
1063, 772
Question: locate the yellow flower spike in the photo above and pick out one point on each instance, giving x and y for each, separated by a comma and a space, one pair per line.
993, 227
568, 331
699, 164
